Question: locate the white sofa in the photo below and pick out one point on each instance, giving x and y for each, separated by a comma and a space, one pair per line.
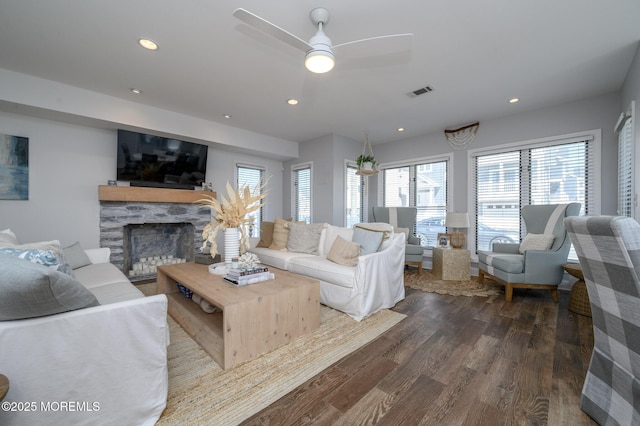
375, 283
105, 364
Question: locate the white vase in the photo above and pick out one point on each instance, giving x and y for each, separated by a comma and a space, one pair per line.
231, 245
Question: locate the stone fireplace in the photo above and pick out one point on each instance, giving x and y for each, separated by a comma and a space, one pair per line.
155, 225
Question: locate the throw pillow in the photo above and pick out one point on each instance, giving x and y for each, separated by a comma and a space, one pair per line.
369, 241
47, 253
536, 242
76, 257
7, 236
344, 252
266, 234
29, 290
331, 233
304, 238
280, 235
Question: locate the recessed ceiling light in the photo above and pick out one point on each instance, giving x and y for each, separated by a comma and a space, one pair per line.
513, 100
148, 44
400, 129
292, 101
136, 91
226, 115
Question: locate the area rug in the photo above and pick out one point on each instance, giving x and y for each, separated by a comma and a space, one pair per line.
426, 282
200, 392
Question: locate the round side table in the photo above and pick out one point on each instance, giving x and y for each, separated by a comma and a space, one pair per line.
4, 386
579, 297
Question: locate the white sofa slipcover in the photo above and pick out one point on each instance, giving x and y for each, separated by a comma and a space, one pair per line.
375, 283
101, 365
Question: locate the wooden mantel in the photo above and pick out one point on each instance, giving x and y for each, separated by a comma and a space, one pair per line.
149, 195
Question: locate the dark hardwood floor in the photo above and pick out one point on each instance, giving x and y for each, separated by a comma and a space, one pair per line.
455, 361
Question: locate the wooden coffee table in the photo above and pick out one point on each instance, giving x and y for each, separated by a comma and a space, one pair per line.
255, 318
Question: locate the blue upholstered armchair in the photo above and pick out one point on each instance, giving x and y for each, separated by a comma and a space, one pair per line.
609, 253
403, 217
536, 262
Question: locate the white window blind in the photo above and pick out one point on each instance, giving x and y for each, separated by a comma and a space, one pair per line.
253, 177
497, 198
302, 193
396, 187
355, 205
560, 172
422, 185
626, 155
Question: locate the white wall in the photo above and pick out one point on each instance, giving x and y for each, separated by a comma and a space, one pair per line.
327, 155
598, 112
66, 165
68, 162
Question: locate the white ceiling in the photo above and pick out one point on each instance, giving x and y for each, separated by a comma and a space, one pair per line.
475, 54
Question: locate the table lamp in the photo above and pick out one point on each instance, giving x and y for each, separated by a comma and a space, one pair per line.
457, 221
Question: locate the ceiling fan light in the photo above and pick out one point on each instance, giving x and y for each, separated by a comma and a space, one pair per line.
319, 61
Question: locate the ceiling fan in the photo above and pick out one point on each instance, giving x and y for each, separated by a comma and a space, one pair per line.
319, 50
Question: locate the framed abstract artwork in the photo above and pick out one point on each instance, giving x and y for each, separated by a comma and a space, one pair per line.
14, 167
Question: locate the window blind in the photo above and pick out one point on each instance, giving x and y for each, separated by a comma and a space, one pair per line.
625, 169
558, 172
252, 177
355, 205
302, 193
497, 198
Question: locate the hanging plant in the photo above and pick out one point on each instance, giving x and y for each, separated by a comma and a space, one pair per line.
366, 161
362, 159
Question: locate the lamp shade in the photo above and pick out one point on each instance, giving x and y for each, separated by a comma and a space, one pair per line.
457, 220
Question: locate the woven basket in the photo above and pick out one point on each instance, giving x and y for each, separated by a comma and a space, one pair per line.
579, 299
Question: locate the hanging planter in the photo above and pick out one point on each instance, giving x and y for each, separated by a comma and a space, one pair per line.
366, 162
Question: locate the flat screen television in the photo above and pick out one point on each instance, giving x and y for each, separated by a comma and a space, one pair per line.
148, 160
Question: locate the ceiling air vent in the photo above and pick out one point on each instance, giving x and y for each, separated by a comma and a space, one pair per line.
420, 91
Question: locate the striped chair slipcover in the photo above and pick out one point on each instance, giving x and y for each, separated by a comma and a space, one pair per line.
609, 252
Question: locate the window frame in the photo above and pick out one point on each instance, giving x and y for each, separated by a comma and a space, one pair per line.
594, 137
364, 193
627, 155
294, 194
447, 157
261, 211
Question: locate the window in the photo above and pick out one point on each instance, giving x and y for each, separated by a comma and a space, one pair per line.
626, 191
355, 197
301, 180
422, 185
559, 171
253, 177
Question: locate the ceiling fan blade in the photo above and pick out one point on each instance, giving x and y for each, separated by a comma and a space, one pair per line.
375, 46
268, 28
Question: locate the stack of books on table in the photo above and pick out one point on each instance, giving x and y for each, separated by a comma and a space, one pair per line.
244, 276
